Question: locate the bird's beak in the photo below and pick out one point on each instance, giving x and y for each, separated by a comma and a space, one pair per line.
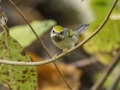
57, 34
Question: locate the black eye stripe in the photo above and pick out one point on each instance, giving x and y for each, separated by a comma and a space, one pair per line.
59, 33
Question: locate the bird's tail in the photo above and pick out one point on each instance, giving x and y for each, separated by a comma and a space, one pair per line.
77, 31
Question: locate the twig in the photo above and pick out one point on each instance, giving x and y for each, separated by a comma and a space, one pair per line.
87, 62
84, 62
41, 42
108, 70
19, 63
114, 84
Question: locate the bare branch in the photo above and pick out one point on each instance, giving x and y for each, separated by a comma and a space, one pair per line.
115, 82
108, 70
84, 62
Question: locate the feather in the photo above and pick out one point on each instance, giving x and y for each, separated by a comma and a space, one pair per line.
77, 31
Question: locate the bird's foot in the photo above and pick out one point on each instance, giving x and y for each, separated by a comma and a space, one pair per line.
65, 52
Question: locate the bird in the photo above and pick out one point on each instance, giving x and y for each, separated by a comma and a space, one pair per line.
65, 38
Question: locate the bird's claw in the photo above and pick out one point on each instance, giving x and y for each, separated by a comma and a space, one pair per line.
65, 52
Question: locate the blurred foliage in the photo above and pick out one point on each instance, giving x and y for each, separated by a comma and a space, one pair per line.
105, 44
24, 35
110, 78
15, 77
108, 39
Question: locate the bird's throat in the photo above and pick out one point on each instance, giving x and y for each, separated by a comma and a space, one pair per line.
57, 39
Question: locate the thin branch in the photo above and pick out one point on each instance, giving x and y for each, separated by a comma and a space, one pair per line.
41, 42
84, 62
87, 62
62, 54
62, 75
115, 82
108, 70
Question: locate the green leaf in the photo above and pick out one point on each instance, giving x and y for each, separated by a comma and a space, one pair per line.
108, 39
24, 35
11, 76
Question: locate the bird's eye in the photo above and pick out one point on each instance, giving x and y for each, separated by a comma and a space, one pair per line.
62, 33
53, 31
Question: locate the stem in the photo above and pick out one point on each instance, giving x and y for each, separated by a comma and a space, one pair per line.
115, 82
5, 28
6, 32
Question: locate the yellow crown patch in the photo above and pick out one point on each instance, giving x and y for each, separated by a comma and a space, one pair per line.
58, 29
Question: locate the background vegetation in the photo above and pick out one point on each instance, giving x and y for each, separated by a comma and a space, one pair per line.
97, 59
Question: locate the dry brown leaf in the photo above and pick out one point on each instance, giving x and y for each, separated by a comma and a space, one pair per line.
49, 78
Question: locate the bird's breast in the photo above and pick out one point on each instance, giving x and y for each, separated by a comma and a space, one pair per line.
65, 43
